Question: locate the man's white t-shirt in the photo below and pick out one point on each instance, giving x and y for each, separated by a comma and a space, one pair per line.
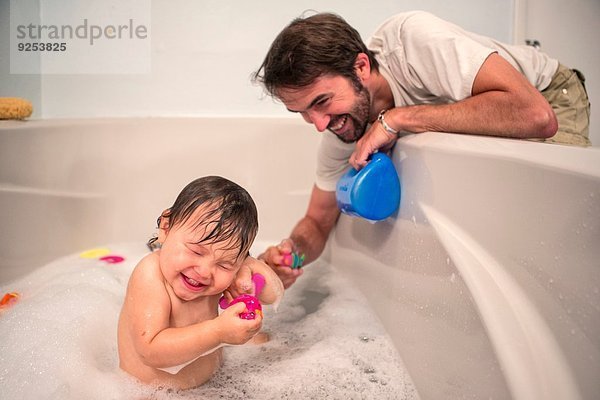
427, 60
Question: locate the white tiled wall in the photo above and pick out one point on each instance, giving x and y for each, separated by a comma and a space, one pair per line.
203, 53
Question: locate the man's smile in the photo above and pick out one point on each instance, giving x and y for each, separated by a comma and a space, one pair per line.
337, 123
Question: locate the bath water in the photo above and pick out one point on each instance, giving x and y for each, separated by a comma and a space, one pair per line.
59, 340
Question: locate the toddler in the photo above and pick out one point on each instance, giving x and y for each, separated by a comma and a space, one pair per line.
170, 331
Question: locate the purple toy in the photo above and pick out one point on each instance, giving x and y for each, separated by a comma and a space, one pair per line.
253, 306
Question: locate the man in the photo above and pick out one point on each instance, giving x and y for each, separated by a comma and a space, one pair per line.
419, 73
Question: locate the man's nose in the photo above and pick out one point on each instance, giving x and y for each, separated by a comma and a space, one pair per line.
319, 120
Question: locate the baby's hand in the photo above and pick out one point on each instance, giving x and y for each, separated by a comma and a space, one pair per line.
243, 283
235, 330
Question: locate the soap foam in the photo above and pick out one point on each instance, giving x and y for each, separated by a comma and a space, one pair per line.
59, 340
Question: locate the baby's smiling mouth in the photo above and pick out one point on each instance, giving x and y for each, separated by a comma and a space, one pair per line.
192, 283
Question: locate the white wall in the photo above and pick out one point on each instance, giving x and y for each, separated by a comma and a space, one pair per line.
27, 86
203, 53
569, 31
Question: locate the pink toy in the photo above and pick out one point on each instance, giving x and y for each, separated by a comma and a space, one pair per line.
112, 259
253, 306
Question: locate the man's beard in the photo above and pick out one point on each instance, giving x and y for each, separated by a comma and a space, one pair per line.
359, 116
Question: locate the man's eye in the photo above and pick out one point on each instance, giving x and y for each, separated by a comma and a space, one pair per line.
323, 102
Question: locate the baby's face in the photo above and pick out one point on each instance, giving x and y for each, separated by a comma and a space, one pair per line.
195, 269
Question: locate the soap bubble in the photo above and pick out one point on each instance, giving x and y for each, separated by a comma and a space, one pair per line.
59, 340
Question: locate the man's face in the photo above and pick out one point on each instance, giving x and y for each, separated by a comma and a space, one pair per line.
333, 103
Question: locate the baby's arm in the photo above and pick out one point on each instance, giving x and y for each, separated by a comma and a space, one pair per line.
273, 289
175, 346
148, 323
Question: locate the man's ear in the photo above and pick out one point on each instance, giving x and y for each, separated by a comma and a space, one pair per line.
163, 226
362, 67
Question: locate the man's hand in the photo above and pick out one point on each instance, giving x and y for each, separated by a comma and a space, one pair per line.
376, 138
277, 257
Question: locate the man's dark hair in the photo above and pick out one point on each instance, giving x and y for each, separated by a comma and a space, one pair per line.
230, 212
308, 48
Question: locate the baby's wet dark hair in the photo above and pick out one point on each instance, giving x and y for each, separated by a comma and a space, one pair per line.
230, 212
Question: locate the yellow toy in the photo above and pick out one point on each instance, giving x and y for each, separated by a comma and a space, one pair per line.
15, 108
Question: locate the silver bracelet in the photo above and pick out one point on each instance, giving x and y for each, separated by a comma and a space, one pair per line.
388, 128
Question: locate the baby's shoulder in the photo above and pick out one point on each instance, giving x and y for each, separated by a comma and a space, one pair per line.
147, 269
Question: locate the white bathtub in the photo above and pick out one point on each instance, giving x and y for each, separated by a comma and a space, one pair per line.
71, 184
487, 280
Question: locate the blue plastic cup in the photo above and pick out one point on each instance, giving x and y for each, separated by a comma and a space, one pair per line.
373, 192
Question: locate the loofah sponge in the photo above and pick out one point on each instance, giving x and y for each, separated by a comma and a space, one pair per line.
15, 108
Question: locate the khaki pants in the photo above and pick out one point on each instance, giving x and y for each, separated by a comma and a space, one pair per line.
568, 98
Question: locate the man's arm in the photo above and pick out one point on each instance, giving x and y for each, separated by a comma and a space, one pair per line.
311, 233
503, 103
308, 237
